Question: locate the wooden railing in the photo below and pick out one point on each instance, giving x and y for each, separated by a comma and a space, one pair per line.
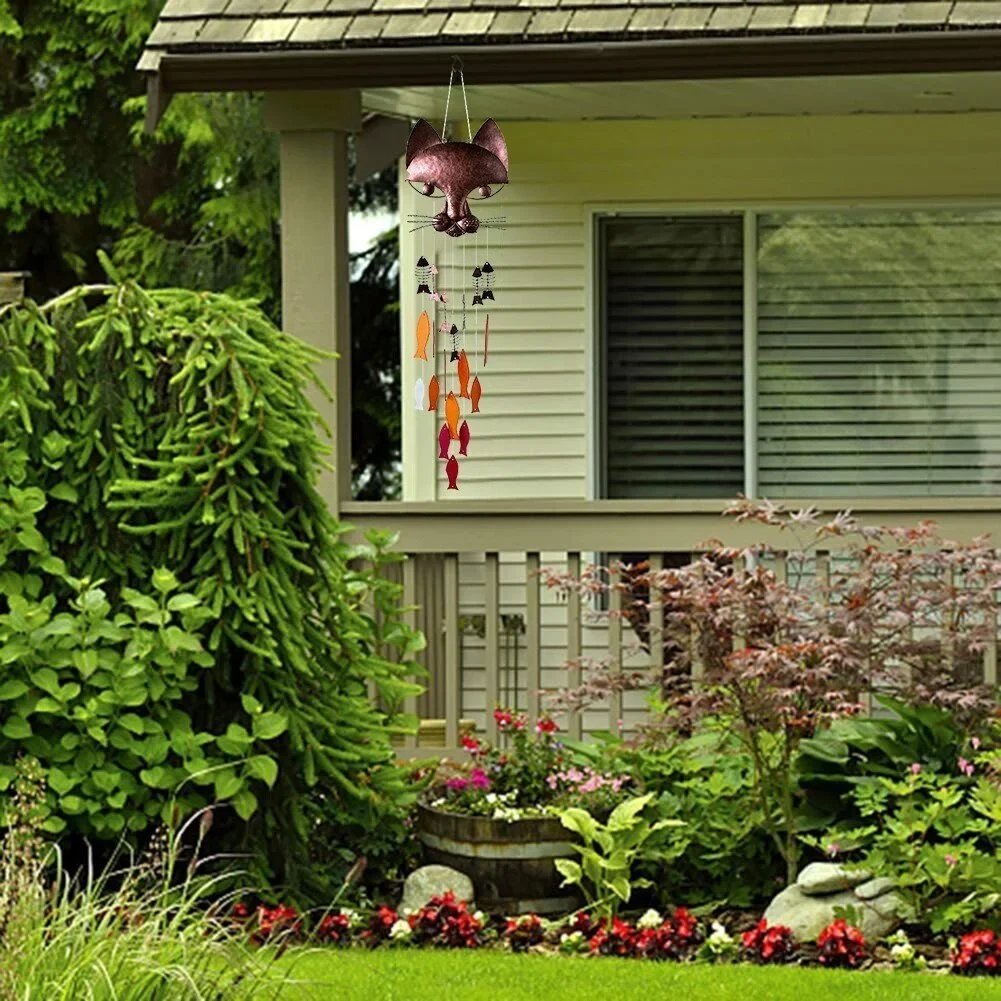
478, 563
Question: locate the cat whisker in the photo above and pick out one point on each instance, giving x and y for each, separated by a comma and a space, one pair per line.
422, 226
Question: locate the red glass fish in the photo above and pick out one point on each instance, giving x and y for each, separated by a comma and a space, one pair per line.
452, 415
433, 392
464, 438
475, 393
452, 472
444, 440
463, 368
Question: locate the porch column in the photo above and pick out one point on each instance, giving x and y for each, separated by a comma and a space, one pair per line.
313, 127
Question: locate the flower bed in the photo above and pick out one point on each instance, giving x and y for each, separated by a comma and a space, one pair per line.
448, 923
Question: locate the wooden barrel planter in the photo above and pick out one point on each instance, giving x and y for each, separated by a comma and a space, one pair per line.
509, 862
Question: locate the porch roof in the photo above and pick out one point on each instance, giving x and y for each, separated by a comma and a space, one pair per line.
297, 44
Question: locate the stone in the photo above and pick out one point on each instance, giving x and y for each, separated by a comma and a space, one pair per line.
807, 915
873, 888
431, 881
828, 877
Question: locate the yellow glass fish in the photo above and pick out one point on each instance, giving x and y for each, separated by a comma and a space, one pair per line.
423, 336
452, 416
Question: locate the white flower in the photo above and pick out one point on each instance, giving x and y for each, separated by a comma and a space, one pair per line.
479, 916
401, 930
651, 919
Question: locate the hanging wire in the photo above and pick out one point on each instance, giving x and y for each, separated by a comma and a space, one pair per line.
457, 68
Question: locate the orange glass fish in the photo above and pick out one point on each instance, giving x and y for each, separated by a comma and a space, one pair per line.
475, 393
452, 415
464, 438
452, 472
444, 440
423, 336
433, 392
463, 368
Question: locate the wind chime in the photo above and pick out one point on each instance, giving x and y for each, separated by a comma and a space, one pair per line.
456, 172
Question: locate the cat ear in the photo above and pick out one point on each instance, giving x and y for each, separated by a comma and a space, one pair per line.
491, 138
423, 137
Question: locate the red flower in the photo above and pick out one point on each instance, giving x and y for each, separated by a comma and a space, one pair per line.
617, 939
546, 725
978, 952
381, 924
445, 921
471, 744
524, 932
766, 943
334, 929
280, 921
582, 922
840, 944
507, 719
673, 939
241, 911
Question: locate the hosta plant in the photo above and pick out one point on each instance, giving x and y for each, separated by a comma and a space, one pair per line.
608, 852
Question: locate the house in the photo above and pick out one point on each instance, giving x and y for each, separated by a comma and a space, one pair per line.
748, 247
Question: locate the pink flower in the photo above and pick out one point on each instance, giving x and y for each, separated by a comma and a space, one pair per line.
965, 767
833, 849
457, 784
916, 768
975, 743
951, 860
479, 779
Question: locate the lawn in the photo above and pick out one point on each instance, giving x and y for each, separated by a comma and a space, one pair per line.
432, 976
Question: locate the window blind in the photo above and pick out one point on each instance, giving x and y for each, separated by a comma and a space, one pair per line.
672, 306
879, 354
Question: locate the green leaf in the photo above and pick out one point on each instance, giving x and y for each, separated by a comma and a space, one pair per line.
250, 705
264, 768
183, 602
227, 784
16, 728
164, 581
625, 814
64, 492
60, 782
132, 722
12, 689
269, 725
245, 803
580, 822
570, 871
46, 679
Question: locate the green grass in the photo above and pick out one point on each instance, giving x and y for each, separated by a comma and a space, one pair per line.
489, 976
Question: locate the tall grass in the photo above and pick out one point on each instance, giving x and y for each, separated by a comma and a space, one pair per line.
147, 929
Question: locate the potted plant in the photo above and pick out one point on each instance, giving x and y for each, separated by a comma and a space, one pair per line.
495, 817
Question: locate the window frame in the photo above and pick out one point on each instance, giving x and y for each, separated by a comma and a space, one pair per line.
749, 212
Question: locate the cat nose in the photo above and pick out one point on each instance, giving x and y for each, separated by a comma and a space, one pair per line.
469, 224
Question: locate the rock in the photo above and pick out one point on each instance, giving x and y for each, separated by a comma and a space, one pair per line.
874, 888
828, 877
431, 881
807, 915
886, 905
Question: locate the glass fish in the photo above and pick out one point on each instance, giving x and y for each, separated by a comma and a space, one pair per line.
452, 472
452, 415
423, 336
463, 375
433, 392
444, 438
475, 393
419, 394
464, 438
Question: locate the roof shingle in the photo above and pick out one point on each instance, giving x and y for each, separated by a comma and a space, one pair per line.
207, 26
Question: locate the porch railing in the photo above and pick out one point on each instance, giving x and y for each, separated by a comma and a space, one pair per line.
479, 561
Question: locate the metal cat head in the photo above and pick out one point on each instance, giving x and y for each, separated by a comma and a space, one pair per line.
456, 170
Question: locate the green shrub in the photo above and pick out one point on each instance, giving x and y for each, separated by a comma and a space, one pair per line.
172, 428
723, 853
938, 838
